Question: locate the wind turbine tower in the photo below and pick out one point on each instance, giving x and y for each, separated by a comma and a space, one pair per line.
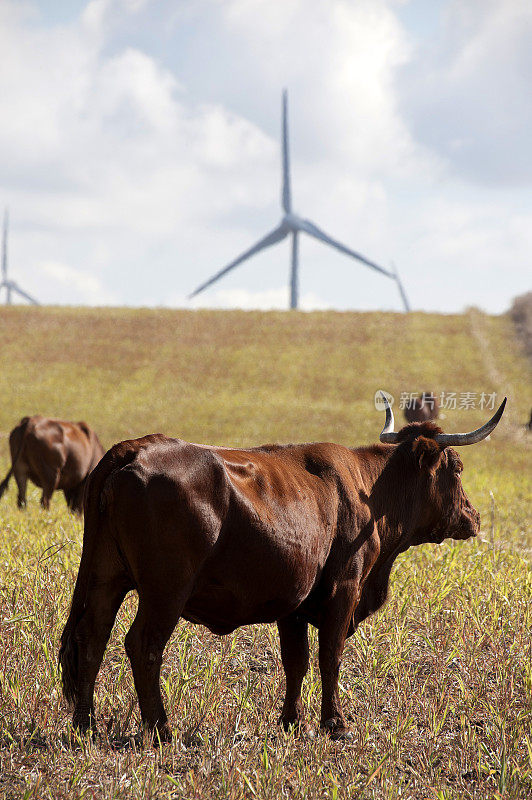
292, 225
10, 286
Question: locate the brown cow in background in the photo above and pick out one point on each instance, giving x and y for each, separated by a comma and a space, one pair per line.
295, 534
422, 409
54, 455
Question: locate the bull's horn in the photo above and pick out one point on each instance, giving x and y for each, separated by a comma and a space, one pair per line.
388, 436
457, 439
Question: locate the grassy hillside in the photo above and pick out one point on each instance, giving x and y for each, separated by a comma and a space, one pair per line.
437, 685
246, 377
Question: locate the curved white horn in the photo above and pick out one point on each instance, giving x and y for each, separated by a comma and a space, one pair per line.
458, 439
388, 436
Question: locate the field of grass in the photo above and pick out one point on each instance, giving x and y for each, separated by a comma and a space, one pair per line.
437, 686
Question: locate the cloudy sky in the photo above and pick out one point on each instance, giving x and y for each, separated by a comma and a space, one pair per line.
139, 148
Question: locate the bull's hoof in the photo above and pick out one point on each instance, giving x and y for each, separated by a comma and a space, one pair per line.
300, 728
337, 730
162, 734
82, 729
191, 737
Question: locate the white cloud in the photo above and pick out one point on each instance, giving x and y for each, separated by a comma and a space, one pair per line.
100, 16
132, 89
99, 147
71, 282
467, 92
341, 59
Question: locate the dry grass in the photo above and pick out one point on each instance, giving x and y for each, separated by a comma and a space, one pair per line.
438, 685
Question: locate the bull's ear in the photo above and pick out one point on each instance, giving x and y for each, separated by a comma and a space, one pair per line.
427, 453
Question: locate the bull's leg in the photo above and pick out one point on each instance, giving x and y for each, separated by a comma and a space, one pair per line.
50, 479
91, 635
145, 643
332, 635
45, 498
76, 499
293, 635
22, 482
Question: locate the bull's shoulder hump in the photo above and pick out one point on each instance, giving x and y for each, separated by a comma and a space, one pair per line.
279, 462
160, 454
150, 444
52, 430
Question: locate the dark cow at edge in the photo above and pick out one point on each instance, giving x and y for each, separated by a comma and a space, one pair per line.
54, 455
422, 409
293, 534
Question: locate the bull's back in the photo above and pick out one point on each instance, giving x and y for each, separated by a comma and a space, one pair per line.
167, 505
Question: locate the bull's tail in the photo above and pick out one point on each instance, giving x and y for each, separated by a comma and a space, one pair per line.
5, 482
94, 510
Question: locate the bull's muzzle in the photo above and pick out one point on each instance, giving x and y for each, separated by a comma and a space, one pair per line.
469, 524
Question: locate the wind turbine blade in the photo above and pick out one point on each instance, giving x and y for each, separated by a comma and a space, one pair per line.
313, 230
401, 288
23, 294
294, 276
287, 193
272, 238
4, 246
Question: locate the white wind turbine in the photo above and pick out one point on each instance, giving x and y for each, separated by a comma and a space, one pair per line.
10, 286
292, 225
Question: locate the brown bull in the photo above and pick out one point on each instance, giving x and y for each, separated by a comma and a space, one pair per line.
422, 409
293, 534
54, 455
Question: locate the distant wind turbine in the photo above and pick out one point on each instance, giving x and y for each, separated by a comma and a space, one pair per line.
10, 286
292, 225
